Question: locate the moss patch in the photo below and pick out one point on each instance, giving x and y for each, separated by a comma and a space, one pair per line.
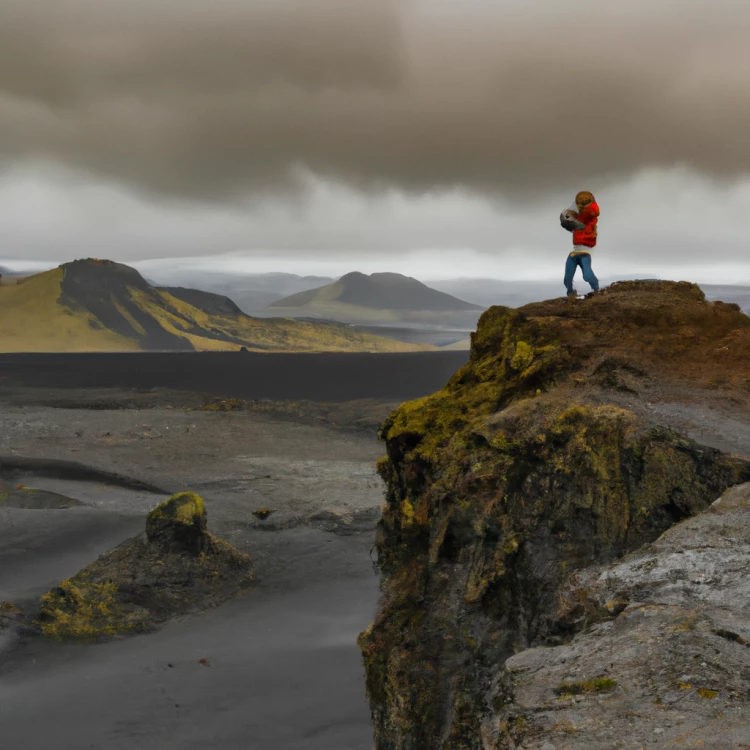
708, 694
600, 685
86, 611
185, 508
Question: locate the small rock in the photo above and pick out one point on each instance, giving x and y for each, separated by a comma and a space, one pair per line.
658, 730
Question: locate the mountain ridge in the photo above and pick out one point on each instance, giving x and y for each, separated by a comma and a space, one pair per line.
100, 305
379, 291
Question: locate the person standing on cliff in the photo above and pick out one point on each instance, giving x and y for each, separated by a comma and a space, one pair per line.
581, 219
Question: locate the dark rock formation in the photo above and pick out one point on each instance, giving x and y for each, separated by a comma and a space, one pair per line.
541, 457
175, 568
208, 302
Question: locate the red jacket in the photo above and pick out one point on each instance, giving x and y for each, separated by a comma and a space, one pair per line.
589, 216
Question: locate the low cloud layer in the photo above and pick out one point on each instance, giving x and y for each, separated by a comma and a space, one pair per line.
671, 224
216, 100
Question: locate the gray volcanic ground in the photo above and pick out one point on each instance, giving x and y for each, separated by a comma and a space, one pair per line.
283, 667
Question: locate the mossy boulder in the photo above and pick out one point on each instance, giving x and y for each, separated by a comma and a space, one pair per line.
179, 523
176, 567
537, 459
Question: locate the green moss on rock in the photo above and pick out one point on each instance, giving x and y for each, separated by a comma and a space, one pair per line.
185, 508
176, 567
87, 611
599, 685
708, 694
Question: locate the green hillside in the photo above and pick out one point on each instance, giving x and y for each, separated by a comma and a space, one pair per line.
380, 297
98, 305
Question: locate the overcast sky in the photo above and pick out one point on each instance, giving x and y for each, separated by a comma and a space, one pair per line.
434, 137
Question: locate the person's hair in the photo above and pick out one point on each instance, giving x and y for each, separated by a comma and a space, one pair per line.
584, 198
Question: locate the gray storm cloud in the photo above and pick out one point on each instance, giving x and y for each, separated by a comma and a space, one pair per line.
212, 100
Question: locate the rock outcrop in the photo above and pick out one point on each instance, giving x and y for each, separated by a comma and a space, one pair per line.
175, 568
664, 636
560, 446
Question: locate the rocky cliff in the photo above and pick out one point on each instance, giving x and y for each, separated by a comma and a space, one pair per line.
577, 433
662, 654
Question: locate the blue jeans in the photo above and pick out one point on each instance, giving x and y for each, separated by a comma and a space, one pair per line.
584, 261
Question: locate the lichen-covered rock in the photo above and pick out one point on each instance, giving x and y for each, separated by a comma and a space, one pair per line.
539, 458
176, 567
668, 627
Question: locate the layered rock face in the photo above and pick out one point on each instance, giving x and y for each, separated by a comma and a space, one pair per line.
662, 656
556, 448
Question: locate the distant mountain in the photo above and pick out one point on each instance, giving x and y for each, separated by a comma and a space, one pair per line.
208, 302
458, 346
8, 273
380, 297
251, 292
283, 283
99, 305
739, 295
18, 268
488, 292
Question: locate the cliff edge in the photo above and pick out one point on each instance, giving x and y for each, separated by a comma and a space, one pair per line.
577, 433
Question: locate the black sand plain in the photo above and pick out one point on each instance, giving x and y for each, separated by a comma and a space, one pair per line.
283, 670
315, 377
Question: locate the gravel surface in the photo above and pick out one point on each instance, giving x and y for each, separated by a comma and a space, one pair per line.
239, 462
283, 670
